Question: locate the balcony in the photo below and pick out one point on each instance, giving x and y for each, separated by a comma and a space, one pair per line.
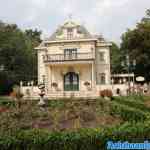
68, 57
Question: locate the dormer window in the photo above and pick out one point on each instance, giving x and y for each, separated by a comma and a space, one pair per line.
69, 33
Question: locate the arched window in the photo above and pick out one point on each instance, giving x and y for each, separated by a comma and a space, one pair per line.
71, 81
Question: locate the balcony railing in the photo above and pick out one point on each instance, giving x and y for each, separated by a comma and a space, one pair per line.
67, 57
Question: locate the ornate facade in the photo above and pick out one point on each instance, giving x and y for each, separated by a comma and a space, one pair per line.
72, 60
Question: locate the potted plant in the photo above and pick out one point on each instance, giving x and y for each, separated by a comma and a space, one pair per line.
55, 85
87, 84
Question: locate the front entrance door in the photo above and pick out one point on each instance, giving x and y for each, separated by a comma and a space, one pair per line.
71, 82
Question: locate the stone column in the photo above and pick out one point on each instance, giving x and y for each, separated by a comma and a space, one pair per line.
93, 79
47, 79
50, 78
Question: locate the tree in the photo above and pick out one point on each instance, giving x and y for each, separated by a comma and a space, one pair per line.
34, 37
115, 57
17, 55
136, 43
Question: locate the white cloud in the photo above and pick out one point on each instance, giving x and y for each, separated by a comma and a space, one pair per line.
30, 18
110, 17
38, 3
105, 6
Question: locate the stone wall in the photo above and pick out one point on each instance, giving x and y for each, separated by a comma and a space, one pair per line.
33, 92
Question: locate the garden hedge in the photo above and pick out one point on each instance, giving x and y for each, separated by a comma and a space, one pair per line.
128, 113
83, 139
7, 103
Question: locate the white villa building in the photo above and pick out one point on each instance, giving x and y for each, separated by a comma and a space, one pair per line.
73, 62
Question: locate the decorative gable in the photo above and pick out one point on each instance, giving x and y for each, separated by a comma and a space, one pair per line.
70, 30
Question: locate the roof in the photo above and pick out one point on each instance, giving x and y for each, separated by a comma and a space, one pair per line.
81, 30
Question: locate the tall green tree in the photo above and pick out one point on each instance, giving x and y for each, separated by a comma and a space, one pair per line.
17, 55
34, 38
136, 43
115, 58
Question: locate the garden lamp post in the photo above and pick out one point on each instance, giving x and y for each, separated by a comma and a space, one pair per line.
134, 64
128, 63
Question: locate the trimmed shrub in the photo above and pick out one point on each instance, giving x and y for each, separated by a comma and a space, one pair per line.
132, 103
128, 113
106, 93
83, 139
7, 103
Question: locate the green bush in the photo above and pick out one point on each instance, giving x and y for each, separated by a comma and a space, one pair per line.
128, 113
83, 139
7, 103
20, 137
133, 103
55, 103
134, 97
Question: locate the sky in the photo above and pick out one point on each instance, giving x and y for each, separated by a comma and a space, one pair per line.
109, 18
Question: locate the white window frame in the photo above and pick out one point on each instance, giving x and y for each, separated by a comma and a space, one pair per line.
69, 33
102, 78
102, 57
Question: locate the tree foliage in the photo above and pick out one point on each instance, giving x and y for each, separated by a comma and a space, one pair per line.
136, 43
115, 58
17, 55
